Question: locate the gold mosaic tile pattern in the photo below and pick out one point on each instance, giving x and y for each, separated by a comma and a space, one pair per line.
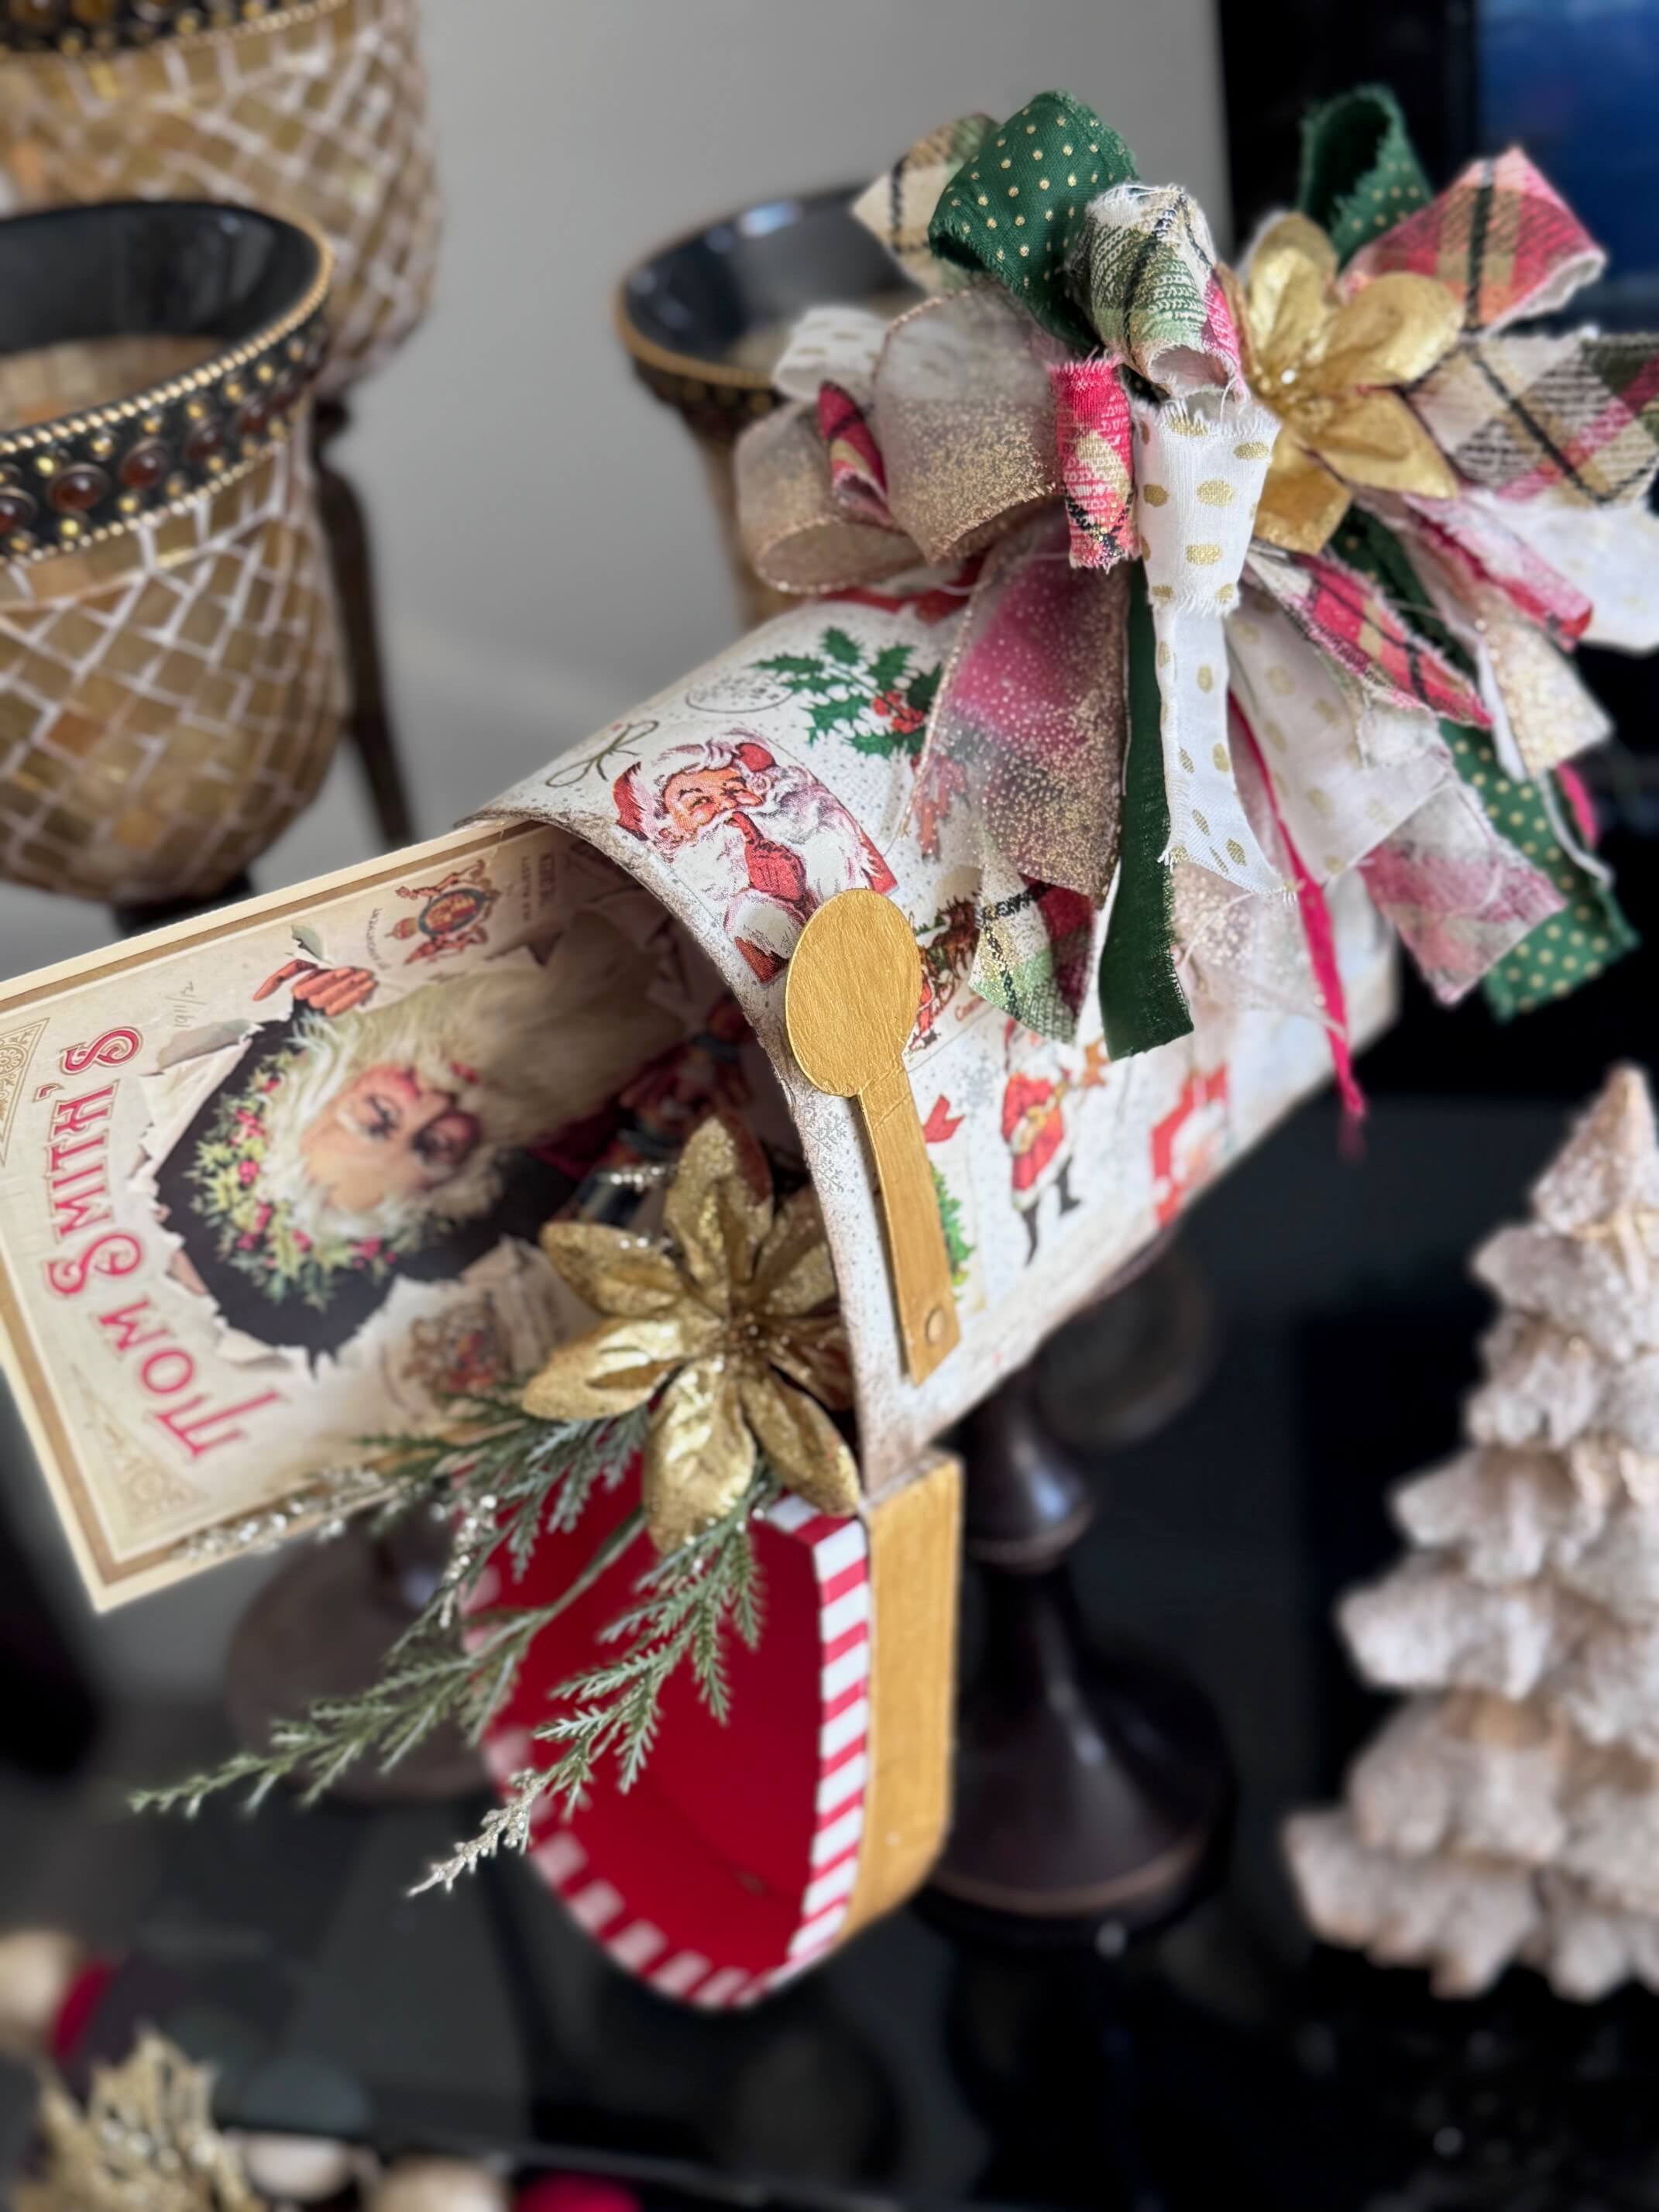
319, 111
169, 698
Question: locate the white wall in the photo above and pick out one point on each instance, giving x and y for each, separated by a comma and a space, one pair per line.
546, 554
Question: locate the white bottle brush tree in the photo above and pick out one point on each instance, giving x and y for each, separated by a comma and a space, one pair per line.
1509, 1810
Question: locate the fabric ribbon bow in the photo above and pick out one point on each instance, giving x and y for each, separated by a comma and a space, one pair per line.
1102, 438
992, 423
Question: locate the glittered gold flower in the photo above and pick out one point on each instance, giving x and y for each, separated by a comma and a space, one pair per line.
744, 1297
144, 2143
1327, 368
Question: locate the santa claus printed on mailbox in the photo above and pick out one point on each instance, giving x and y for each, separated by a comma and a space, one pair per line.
760, 839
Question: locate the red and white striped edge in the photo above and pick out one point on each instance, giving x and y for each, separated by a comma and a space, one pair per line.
840, 1563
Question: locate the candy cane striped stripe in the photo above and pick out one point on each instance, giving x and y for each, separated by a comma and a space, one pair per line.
841, 1556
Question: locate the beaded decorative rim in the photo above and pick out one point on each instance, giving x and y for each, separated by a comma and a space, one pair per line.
79, 478
103, 26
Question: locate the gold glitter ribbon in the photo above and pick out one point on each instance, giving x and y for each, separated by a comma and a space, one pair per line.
963, 413
1028, 726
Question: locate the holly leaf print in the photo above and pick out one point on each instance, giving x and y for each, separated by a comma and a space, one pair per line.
833, 714
920, 690
799, 670
882, 744
888, 667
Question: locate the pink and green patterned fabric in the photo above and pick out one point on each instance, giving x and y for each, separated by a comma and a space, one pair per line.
1501, 239
1350, 620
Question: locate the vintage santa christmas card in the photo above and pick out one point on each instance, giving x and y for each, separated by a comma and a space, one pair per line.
269, 1183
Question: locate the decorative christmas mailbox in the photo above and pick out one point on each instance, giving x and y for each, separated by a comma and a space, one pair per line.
216, 1289
658, 1167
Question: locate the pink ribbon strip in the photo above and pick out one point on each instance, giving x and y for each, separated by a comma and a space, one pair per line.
1322, 948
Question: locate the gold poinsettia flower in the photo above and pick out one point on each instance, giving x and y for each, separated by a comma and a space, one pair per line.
1327, 367
744, 1297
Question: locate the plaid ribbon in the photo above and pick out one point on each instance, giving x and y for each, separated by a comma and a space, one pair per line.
1587, 933
899, 206
1541, 713
1033, 958
1147, 264
1348, 618
1501, 240
1478, 542
858, 475
1460, 896
1574, 416
1095, 437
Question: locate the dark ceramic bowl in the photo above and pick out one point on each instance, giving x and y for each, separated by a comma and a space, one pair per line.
705, 318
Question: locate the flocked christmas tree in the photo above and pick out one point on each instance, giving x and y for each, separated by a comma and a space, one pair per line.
1511, 1809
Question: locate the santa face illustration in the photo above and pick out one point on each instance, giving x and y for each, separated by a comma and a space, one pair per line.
388, 1136
1034, 1128
352, 1141
759, 839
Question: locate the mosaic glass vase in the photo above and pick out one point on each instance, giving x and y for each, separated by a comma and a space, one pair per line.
317, 110
169, 661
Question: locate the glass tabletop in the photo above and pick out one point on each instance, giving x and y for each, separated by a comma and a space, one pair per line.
1226, 2060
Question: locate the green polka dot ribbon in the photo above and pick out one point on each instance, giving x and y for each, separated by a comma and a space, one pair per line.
1014, 209
1360, 173
1590, 932
1588, 935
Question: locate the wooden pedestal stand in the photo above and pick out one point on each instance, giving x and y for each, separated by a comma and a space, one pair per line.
1093, 1786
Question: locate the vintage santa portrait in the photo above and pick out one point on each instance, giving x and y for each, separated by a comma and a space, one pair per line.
361, 1136
758, 838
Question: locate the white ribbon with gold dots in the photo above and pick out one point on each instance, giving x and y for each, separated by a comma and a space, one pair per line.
1199, 463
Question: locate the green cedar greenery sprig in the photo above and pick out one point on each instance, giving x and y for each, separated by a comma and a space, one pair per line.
687, 1600
506, 1477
